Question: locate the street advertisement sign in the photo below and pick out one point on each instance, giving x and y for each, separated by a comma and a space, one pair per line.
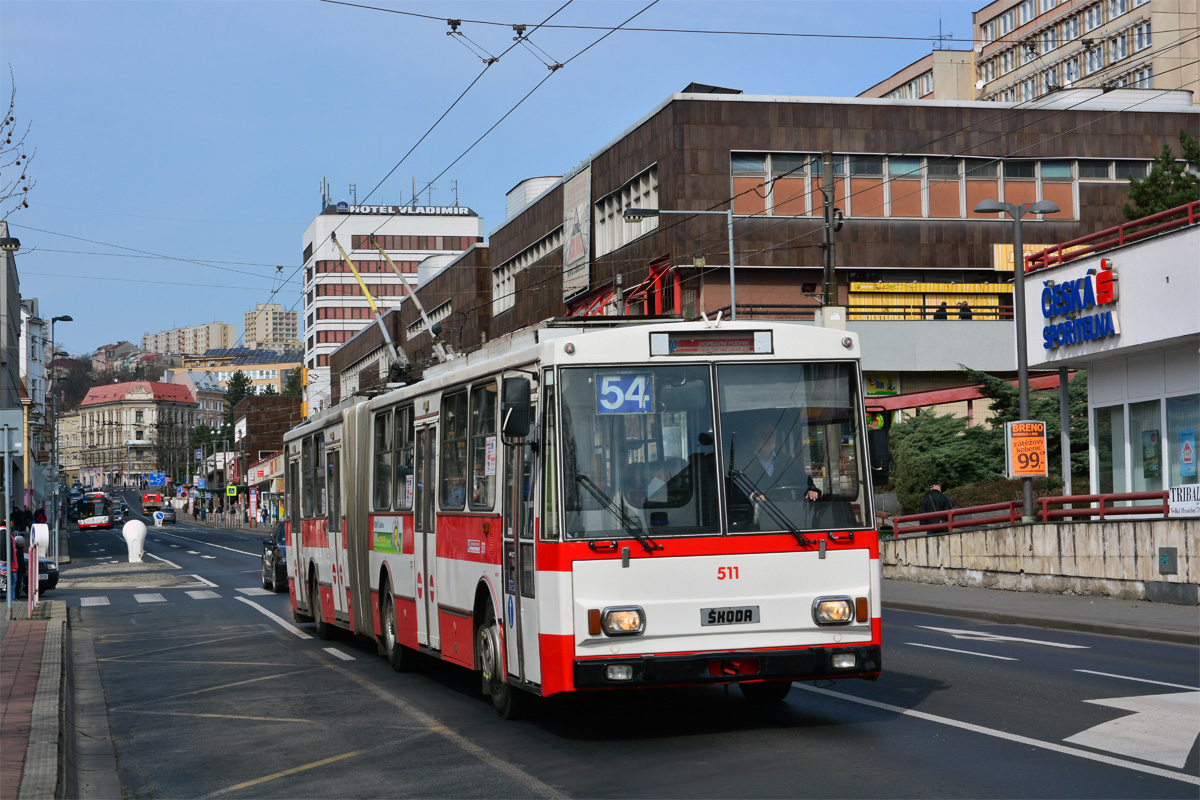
1185, 500
1025, 449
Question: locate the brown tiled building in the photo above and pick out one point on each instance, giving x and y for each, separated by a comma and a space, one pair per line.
259, 423
907, 176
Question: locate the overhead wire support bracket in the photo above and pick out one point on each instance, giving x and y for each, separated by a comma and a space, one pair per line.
438, 347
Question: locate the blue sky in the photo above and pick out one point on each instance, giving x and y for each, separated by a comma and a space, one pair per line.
201, 130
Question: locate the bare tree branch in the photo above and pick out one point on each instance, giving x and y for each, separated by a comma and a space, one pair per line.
15, 158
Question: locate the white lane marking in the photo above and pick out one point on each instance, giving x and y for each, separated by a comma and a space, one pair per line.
210, 544
1139, 680
202, 594
1162, 728
984, 636
255, 590
289, 627
193, 552
965, 652
205, 581
160, 558
1011, 737
208, 556
93, 601
174, 545
333, 651
150, 598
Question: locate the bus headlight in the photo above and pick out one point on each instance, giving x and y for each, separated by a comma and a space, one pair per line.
625, 621
833, 611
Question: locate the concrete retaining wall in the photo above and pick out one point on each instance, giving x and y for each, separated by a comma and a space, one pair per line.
1112, 559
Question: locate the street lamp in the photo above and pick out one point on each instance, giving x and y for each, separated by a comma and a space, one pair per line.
54, 547
1017, 211
638, 214
10, 244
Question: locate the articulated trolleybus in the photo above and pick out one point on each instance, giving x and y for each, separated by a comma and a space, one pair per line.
585, 506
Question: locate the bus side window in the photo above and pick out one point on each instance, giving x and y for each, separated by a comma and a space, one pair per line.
454, 451
483, 446
306, 468
293, 487
381, 497
335, 494
404, 458
319, 484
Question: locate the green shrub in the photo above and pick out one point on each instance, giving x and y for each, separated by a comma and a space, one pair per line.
1000, 491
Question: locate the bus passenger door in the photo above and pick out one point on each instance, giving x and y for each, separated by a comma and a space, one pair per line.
520, 607
337, 536
425, 539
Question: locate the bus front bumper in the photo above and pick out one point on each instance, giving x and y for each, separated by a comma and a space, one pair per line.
806, 663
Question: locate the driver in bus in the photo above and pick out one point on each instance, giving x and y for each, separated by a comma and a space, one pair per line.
769, 469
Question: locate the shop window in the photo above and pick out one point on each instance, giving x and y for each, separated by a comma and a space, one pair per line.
1146, 447
1110, 449
1183, 420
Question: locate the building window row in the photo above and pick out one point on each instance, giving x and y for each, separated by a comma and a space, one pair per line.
252, 374
438, 314
612, 231
789, 184
354, 290
364, 267
334, 337
366, 241
504, 277
917, 87
344, 312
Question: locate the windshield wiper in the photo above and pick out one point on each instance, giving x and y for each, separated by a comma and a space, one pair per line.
631, 525
750, 489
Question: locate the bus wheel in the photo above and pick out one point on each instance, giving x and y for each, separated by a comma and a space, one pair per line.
765, 692
321, 627
400, 657
510, 703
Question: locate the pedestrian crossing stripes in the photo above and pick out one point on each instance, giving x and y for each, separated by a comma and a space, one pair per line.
156, 597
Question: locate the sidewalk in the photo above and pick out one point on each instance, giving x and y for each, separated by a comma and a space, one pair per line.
31, 671
1139, 619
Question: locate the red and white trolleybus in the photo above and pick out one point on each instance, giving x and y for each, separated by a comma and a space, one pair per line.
584, 506
95, 511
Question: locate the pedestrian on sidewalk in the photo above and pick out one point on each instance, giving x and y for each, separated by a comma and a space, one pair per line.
20, 572
934, 500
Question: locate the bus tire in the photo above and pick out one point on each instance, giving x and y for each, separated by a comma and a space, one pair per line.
320, 626
765, 692
510, 703
400, 657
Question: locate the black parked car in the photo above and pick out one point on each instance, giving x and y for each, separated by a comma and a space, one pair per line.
274, 561
47, 574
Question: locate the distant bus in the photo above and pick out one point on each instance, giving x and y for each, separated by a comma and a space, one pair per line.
95, 511
151, 502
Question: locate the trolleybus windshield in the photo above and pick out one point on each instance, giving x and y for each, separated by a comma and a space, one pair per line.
643, 454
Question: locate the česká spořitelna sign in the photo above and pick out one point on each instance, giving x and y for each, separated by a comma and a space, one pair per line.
1073, 299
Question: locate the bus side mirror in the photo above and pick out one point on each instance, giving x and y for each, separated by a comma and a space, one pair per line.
514, 410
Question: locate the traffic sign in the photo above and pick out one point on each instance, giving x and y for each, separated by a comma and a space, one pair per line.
231, 491
197, 455
200, 483
1025, 449
158, 479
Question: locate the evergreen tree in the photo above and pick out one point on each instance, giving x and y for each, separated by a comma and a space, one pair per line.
1170, 184
932, 447
236, 390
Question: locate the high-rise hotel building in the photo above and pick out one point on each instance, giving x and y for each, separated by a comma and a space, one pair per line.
334, 306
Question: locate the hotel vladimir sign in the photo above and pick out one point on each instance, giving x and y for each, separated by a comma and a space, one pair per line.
407, 211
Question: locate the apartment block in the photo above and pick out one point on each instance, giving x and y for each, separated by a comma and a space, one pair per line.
269, 327
191, 340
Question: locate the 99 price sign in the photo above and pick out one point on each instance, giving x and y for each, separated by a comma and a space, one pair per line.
1025, 449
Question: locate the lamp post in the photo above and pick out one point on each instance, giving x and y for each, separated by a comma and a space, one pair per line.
638, 214
54, 438
1017, 211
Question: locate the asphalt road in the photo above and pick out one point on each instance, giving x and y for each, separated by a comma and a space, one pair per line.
213, 691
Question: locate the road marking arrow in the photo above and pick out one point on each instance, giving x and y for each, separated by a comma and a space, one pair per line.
984, 636
1162, 729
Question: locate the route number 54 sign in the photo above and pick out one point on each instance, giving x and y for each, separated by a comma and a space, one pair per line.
1025, 449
